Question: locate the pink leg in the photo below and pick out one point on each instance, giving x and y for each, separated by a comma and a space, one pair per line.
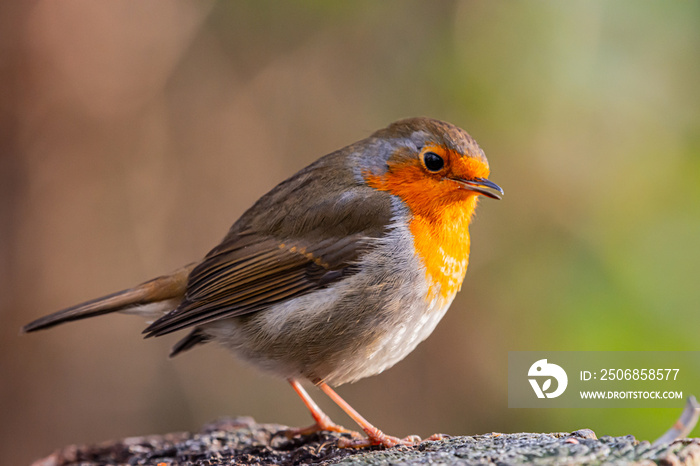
323, 422
375, 436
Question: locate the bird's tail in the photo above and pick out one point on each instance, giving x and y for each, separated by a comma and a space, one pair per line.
167, 289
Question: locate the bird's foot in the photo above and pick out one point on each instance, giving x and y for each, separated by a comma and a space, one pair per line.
323, 424
377, 437
387, 441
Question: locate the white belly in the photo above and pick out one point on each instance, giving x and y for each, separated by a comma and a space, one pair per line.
402, 339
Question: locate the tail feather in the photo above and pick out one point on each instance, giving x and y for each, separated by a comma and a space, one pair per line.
167, 287
194, 338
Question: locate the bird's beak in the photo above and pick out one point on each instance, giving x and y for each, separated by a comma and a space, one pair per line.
482, 186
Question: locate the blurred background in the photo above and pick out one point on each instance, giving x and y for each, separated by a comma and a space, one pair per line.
133, 134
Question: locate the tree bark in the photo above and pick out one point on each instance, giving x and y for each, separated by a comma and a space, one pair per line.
242, 441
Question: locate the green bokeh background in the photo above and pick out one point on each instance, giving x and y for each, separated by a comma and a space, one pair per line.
135, 133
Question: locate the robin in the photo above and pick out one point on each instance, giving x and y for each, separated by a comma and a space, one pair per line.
334, 275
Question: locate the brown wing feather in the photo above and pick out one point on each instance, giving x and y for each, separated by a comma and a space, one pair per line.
240, 281
284, 246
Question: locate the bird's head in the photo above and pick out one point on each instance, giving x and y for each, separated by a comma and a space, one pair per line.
430, 164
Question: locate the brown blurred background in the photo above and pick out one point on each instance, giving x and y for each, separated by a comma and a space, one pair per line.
133, 134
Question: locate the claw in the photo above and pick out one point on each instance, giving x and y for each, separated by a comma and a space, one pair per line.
436, 437
328, 426
388, 441
379, 438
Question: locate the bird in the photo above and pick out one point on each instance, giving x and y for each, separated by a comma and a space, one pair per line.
334, 275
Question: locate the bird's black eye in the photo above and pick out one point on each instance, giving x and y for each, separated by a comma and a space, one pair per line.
433, 162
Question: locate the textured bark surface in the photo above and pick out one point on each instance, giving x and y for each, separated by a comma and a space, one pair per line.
242, 441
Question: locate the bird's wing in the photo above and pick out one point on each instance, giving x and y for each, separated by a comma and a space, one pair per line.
252, 269
251, 278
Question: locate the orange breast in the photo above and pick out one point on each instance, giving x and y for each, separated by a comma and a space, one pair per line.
443, 245
439, 223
